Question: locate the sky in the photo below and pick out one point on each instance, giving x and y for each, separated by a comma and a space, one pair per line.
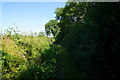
28, 16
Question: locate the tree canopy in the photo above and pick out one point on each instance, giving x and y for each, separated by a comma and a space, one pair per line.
89, 31
51, 27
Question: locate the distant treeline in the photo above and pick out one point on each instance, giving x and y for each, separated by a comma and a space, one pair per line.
15, 31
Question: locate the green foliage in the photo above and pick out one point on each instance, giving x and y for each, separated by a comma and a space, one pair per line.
42, 68
12, 32
41, 34
89, 32
24, 58
51, 27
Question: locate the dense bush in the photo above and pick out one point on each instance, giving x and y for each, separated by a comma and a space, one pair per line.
89, 31
27, 58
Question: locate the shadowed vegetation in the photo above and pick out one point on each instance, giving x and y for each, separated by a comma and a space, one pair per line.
85, 45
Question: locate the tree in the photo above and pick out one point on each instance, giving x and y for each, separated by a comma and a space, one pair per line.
51, 27
89, 31
68, 16
41, 34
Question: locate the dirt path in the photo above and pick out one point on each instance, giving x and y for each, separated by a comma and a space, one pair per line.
59, 65
66, 67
